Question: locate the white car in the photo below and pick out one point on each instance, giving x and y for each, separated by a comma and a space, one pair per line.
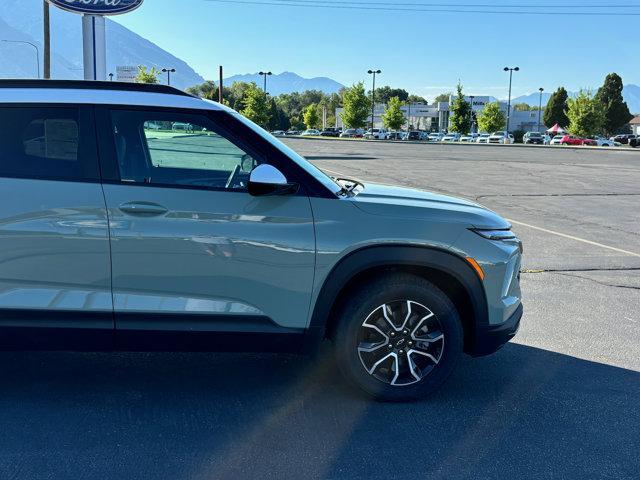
469, 137
557, 140
278, 133
436, 137
605, 142
483, 138
501, 137
451, 137
377, 134
312, 132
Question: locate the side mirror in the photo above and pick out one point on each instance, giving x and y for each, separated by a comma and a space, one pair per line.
268, 180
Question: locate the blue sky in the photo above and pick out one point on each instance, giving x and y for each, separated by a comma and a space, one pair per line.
424, 52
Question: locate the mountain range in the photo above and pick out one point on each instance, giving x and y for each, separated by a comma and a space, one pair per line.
22, 20
630, 93
287, 82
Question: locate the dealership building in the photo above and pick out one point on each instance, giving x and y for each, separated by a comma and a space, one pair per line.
436, 117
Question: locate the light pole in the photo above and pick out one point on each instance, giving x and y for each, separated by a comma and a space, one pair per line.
510, 70
168, 71
111, 77
373, 96
264, 76
33, 45
540, 108
471, 97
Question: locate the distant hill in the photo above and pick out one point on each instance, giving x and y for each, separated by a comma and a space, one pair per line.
22, 20
631, 94
288, 82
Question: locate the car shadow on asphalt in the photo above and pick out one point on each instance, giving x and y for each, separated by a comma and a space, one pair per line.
521, 413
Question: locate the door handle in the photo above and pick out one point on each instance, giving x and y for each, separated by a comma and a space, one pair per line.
143, 208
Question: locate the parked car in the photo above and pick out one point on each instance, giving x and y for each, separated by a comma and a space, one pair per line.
330, 132
556, 140
395, 136
349, 133
311, 132
483, 138
634, 142
156, 273
292, 132
623, 139
413, 135
377, 134
278, 133
436, 137
572, 140
534, 138
469, 138
604, 142
501, 137
451, 137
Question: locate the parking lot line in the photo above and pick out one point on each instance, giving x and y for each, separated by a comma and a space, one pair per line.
571, 237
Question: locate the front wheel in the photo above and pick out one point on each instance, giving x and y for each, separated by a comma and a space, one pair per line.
398, 337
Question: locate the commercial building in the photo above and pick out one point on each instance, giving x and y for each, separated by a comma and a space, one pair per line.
436, 117
635, 125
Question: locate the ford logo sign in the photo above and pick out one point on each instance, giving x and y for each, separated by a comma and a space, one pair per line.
97, 7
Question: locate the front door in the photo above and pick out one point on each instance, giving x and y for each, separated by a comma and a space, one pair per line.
192, 251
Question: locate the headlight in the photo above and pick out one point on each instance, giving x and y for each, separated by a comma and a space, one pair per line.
500, 234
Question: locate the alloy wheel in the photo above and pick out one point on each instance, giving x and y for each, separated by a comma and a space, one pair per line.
400, 342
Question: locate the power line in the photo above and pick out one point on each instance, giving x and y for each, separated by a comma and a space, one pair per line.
367, 7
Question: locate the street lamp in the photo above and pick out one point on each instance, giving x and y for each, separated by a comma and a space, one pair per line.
471, 97
265, 75
111, 77
373, 95
168, 71
540, 108
510, 70
33, 45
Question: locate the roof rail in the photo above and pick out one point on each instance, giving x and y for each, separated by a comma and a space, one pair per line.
92, 85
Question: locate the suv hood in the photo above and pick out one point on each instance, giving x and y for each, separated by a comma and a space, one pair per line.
411, 203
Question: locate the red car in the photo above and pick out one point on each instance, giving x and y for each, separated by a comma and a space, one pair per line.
574, 140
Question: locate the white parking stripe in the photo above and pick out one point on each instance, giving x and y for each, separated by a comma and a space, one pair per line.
577, 239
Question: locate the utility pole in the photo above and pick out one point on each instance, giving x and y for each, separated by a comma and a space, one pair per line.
471, 97
220, 88
540, 108
373, 96
510, 70
47, 39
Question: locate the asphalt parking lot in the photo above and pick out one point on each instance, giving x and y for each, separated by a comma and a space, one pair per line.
560, 402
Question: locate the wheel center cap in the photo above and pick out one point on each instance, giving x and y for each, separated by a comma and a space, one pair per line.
401, 343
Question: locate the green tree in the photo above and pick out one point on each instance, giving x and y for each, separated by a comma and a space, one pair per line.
255, 108
586, 117
556, 111
491, 118
278, 120
147, 76
522, 107
357, 107
393, 118
616, 111
207, 90
310, 116
384, 94
460, 120
443, 97
416, 99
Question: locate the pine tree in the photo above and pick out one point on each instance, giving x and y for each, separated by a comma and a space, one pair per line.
557, 108
615, 109
460, 121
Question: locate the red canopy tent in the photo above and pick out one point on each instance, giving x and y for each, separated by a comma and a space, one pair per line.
556, 129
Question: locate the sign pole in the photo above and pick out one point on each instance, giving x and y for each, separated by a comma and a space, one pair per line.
94, 46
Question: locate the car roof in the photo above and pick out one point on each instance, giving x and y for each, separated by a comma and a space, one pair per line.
96, 92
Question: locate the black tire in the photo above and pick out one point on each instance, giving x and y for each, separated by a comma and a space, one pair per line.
393, 289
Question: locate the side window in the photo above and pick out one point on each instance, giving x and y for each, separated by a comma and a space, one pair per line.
179, 149
47, 143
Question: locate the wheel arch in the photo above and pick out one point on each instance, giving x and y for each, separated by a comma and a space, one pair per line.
448, 271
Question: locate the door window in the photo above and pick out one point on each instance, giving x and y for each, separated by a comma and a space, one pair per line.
179, 150
47, 143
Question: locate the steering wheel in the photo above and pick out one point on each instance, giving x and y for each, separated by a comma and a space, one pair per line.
233, 177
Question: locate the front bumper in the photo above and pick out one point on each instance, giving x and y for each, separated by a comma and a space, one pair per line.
490, 338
